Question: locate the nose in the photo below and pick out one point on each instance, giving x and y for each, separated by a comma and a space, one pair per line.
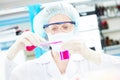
59, 28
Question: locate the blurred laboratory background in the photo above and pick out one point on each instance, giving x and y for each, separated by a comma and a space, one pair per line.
100, 19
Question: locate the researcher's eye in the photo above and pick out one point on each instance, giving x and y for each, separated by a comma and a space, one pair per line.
54, 28
65, 27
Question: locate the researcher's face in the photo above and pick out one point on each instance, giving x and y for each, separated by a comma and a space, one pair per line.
59, 24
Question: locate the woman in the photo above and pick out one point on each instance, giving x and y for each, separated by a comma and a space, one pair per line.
59, 22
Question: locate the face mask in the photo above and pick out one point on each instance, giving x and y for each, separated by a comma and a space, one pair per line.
60, 37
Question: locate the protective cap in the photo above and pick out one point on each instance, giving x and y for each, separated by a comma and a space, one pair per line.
50, 10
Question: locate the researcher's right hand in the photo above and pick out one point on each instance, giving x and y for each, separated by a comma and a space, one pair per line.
25, 39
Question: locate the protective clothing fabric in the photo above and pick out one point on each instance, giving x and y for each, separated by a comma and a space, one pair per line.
45, 68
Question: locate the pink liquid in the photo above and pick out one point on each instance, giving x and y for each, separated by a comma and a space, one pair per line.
64, 55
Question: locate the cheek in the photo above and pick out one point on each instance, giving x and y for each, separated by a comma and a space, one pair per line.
47, 31
72, 29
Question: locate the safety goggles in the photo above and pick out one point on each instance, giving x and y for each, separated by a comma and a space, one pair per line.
57, 27
58, 23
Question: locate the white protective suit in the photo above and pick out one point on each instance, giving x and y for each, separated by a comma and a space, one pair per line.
45, 68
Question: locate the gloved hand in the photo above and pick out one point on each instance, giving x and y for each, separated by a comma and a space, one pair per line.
25, 39
74, 46
78, 46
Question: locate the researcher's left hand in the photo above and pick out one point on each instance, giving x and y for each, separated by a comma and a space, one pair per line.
74, 46
78, 46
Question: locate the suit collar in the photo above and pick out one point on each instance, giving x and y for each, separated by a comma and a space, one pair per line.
52, 69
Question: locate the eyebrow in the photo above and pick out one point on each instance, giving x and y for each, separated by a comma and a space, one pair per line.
46, 25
